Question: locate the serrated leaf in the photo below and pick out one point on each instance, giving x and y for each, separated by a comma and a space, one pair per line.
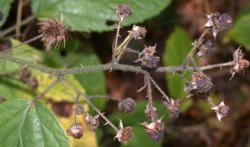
28, 124
88, 15
240, 31
5, 8
176, 49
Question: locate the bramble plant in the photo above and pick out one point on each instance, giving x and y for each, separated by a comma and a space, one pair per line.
53, 33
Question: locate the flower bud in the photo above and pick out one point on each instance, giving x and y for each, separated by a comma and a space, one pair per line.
206, 49
218, 22
75, 130
123, 11
174, 107
240, 63
138, 32
151, 112
221, 110
124, 134
127, 105
147, 58
200, 84
92, 121
155, 130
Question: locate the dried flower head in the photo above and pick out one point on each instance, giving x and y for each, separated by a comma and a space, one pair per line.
218, 22
92, 121
151, 112
221, 110
123, 11
174, 107
75, 130
138, 32
124, 134
155, 130
240, 63
206, 49
147, 58
200, 84
52, 32
126, 105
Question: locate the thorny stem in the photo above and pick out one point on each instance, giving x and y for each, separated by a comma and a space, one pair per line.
150, 99
103, 96
12, 28
87, 99
193, 50
107, 67
159, 89
116, 41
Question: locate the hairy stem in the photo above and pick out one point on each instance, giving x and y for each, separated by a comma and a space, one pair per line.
150, 99
159, 89
193, 50
87, 99
107, 67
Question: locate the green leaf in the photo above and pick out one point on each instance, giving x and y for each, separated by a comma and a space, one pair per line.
27, 124
240, 31
89, 15
176, 49
5, 6
23, 52
11, 86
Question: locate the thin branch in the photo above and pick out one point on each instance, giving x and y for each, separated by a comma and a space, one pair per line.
116, 41
107, 67
19, 17
193, 50
12, 28
150, 98
159, 89
47, 89
87, 99
219, 65
103, 96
